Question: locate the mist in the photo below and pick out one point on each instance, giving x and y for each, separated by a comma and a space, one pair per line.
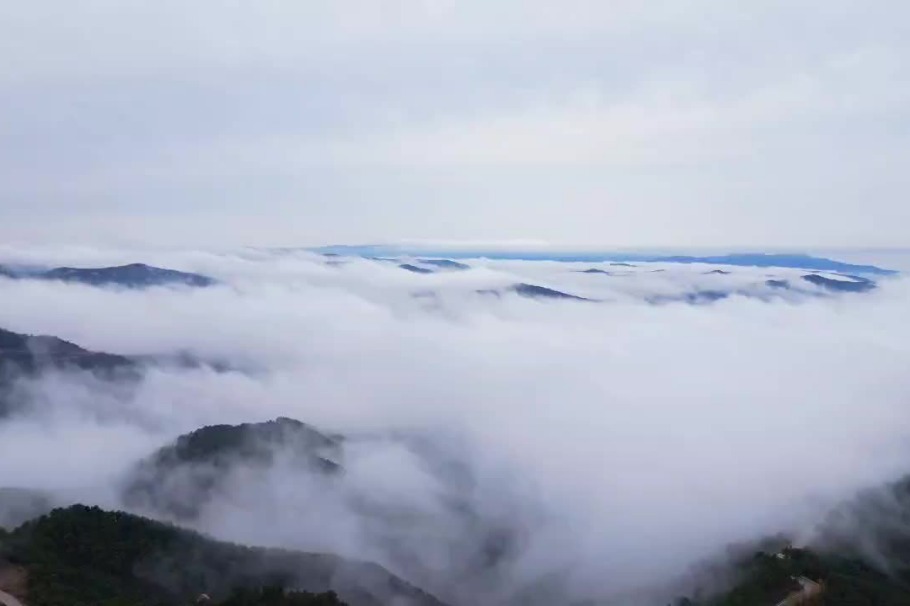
619, 443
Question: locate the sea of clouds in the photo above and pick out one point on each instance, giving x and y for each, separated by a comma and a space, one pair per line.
619, 443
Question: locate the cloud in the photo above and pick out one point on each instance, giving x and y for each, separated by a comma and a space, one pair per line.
624, 441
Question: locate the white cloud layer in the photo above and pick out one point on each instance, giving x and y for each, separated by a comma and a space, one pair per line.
627, 441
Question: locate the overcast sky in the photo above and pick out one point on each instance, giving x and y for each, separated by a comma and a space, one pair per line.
602, 122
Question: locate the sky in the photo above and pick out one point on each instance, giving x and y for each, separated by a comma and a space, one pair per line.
615, 123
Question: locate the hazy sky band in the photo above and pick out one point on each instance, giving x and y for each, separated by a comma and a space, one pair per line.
622, 123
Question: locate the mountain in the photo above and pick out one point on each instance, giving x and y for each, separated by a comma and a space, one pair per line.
24, 353
796, 261
835, 283
692, 298
752, 259
683, 286
29, 355
841, 283
766, 578
858, 541
84, 556
278, 596
770, 289
540, 292
180, 479
32, 353
445, 264
134, 275
859, 554
434, 265
415, 269
201, 470
872, 525
533, 291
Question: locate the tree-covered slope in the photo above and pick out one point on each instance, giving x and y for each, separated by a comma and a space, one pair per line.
84, 556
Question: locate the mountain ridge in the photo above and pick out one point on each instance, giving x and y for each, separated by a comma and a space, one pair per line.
132, 275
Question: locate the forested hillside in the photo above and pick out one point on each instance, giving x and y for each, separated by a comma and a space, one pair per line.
84, 556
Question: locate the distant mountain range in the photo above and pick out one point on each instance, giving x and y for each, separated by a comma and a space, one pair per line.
823, 276
840, 284
134, 275
767, 290
758, 259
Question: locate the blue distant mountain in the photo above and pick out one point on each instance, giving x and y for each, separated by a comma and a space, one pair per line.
766, 291
795, 261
